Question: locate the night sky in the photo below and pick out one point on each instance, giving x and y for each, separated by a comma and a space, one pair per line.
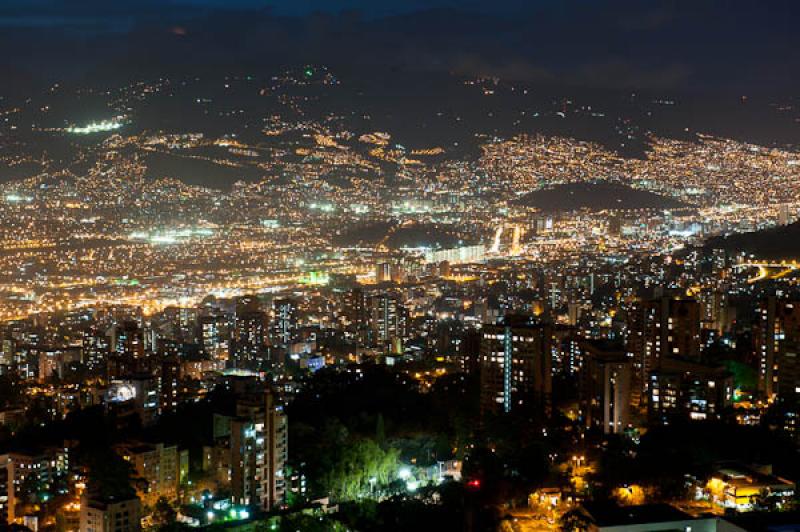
732, 46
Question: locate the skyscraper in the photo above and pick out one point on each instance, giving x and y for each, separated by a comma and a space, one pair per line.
387, 320
777, 342
250, 338
284, 325
215, 336
383, 272
658, 329
128, 340
605, 387
515, 365
259, 450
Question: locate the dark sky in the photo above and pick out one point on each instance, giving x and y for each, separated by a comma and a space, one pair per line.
28, 8
687, 45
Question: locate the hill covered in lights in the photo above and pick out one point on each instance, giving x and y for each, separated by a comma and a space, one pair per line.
595, 197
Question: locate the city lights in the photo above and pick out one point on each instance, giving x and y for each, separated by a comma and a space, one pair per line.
96, 127
418, 266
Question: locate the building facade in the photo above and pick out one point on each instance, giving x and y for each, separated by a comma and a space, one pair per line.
515, 365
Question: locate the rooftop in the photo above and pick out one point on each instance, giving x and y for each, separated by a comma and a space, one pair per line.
612, 515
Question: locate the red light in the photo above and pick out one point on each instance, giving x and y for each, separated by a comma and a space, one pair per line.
474, 483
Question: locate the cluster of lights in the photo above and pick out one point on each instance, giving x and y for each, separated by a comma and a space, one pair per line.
95, 127
16, 198
315, 278
232, 515
412, 484
324, 207
170, 236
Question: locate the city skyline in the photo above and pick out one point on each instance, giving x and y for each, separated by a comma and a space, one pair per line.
427, 265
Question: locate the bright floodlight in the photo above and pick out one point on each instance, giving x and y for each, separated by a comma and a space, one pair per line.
96, 127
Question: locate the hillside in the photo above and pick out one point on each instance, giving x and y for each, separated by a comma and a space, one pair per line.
775, 243
596, 197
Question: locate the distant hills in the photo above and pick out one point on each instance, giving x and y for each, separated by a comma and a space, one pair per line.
775, 243
596, 197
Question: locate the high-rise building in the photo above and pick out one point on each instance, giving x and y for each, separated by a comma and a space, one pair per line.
25, 475
515, 365
215, 336
158, 465
354, 316
354, 304
777, 340
250, 338
284, 325
554, 295
605, 387
95, 348
659, 329
717, 313
127, 340
688, 390
383, 272
259, 450
169, 378
571, 357
784, 215
7, 348
387, 318
468, 356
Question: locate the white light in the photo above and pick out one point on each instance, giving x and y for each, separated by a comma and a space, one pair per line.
404, 473
96, 127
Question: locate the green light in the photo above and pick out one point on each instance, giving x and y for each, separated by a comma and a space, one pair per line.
309, 72
315, 278
96, 127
